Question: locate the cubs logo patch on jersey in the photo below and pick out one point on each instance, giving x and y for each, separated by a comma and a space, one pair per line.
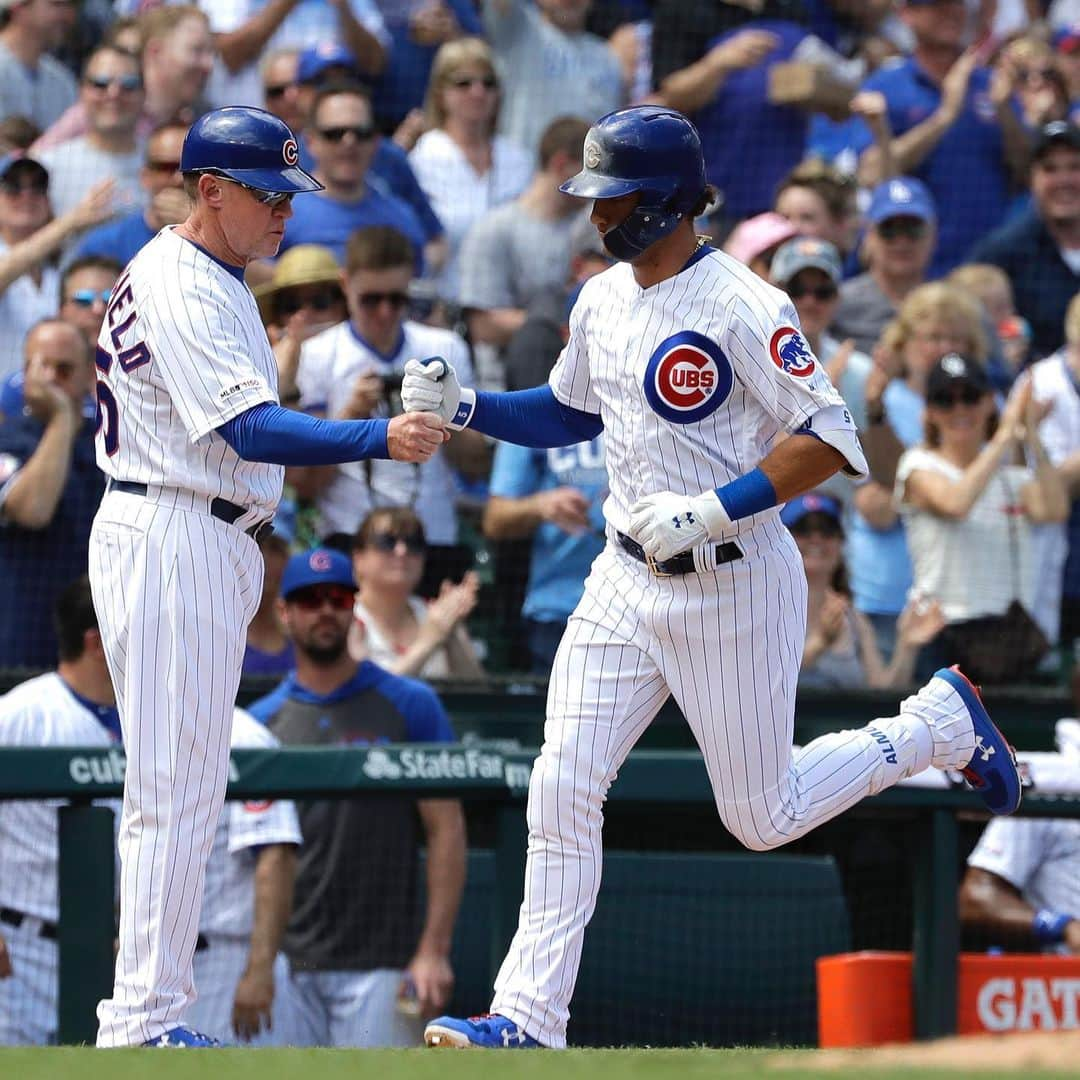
687, 378
791, 354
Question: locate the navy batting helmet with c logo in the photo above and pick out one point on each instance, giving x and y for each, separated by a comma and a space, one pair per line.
653, 151
247, 145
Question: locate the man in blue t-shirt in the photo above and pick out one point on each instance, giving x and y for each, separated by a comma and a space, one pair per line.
953, 127
352, 941
555, 495
343, 142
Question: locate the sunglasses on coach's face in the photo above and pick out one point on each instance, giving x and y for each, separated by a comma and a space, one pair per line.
273, 199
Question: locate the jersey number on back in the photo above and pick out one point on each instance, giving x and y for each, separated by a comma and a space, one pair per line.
129, 354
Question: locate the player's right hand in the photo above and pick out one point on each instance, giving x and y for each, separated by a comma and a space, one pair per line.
431, 386
415, 436
6, 970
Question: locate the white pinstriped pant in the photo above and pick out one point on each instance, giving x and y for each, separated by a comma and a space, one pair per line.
174, 590
728, 645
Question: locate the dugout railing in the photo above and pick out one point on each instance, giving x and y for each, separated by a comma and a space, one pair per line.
665, 785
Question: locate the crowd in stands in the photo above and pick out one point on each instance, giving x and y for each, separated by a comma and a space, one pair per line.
907, 171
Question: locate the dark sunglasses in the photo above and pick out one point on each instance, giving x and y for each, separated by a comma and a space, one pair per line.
320, 301
824, 526
337, 134
168, 167
388, 542
463, 82
339, 597
374, 299
11, 186
910, 228
86, 297
277, 90
273, 199
818, 292
963, 395
127, 83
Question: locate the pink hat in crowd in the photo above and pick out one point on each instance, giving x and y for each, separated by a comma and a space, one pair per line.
754, 236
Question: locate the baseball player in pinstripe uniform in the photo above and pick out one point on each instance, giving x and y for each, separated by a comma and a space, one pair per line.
72, 706
714, 411
193, 441
239, 972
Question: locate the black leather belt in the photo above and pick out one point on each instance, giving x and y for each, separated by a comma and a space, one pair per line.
17, 918
683, 563
222, 509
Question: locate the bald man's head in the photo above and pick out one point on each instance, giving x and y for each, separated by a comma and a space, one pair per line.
58, 353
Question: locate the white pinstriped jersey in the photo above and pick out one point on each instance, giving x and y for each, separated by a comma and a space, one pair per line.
695, 378
182, 350
1039, 856
39, 712
243, 827
329, 365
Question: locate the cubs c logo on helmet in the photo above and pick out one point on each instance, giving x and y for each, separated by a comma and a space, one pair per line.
687, 378
290, 152
791, 354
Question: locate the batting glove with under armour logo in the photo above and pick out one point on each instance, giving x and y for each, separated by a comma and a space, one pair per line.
666, 523
432, 386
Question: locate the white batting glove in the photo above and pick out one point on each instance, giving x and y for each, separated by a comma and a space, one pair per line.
432, 386
666, 523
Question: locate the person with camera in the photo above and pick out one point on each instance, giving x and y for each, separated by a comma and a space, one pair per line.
353, 370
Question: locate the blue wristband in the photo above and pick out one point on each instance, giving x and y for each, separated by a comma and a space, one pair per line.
746, 495
1049, 926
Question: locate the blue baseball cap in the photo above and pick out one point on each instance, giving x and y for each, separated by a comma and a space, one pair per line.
322, 566
315, 60
903, 196
813, 502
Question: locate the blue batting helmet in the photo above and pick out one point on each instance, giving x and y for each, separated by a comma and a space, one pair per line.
249, 146
647, 149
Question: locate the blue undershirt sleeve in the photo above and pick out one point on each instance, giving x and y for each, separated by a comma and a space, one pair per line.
280, 436
533, 418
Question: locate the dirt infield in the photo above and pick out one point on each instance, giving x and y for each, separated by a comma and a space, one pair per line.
1038, 1050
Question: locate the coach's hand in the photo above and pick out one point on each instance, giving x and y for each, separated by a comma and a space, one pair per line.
415, 436
5, 960
431, 386
666, 523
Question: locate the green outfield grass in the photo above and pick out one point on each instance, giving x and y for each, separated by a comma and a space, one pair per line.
87, 1064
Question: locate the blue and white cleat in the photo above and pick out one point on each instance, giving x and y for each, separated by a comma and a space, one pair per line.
487, 1032
992, 773
181, 1038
